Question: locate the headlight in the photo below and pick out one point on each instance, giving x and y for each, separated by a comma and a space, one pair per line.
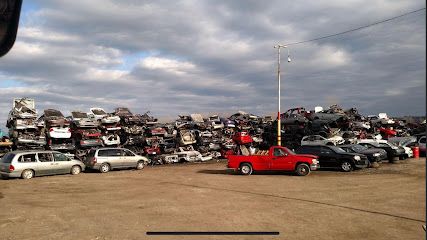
357, 158
376, 154
314, 161
394, 147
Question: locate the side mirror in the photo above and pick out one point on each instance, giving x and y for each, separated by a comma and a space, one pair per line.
9, 20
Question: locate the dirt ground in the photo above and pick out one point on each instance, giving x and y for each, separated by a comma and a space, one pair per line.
384, 203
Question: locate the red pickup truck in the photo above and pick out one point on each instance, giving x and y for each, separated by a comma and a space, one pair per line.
277, 158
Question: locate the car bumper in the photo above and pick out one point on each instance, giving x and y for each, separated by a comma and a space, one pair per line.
364, 164
13, 174
314, 166
94, 166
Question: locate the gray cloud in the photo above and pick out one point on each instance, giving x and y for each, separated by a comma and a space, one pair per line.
216, 56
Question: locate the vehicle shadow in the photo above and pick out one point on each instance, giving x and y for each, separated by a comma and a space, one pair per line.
218, 171
232, 172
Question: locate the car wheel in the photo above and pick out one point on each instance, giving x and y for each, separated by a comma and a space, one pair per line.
76, 170
27, 174
105, 167
302, 169
140, 165
346, 166
246, 169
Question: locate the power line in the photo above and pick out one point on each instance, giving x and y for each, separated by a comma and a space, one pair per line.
355, 29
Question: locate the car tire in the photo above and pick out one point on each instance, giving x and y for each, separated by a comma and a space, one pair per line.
302, 169
140, 165
75, 170
346, 166
246, 169
104, 168
27, 174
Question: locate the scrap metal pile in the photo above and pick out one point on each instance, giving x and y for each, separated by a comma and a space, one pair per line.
191, 137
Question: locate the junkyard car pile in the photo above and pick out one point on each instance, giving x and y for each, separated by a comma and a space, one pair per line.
195, 138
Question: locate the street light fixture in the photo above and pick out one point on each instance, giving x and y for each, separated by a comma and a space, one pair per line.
279, 134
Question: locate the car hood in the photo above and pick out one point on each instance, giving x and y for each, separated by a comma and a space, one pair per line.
371, 151
307, 155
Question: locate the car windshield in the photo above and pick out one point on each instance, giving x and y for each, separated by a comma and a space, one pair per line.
359, 148
99, 111
290, 152
337, 149
79, 115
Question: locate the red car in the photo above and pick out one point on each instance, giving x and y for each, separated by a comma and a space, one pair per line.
242, 137
277, 158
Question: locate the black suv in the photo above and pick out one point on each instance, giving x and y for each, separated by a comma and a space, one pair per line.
335, 157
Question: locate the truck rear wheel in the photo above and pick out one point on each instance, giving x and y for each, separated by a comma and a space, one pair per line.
246, 169
302, 169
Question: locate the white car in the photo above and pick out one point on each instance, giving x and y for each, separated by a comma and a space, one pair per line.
58, 132
319, 140
111, 139
190, 155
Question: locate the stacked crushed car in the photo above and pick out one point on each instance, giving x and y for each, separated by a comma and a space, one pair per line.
195, 138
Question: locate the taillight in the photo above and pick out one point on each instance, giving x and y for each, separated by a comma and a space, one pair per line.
94, 159
69, 129
11, 168
50, 129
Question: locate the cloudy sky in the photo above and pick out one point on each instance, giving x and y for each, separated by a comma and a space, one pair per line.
174, 57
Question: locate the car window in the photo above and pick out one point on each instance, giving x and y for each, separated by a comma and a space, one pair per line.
383, 145
359, 148
349, 150
325, 150
337, 149
28, 158
309, 150
128, 153
103, 153
114, 152
45, 157
7, 158
277, 152
60, 157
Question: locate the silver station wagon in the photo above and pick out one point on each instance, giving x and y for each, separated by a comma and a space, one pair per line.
28, 164
105, 159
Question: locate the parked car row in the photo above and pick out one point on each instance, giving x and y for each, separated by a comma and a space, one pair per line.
32, 163
196, 138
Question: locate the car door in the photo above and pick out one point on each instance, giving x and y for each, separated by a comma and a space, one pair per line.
46, 164
279, 160
328, 157
128, 158
63, 162
115, 158
29, 161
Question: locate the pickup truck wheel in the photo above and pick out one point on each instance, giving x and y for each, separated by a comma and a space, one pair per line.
346, 166
302, 169
246, 169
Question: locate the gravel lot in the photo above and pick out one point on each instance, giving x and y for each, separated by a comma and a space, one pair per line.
384, 203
